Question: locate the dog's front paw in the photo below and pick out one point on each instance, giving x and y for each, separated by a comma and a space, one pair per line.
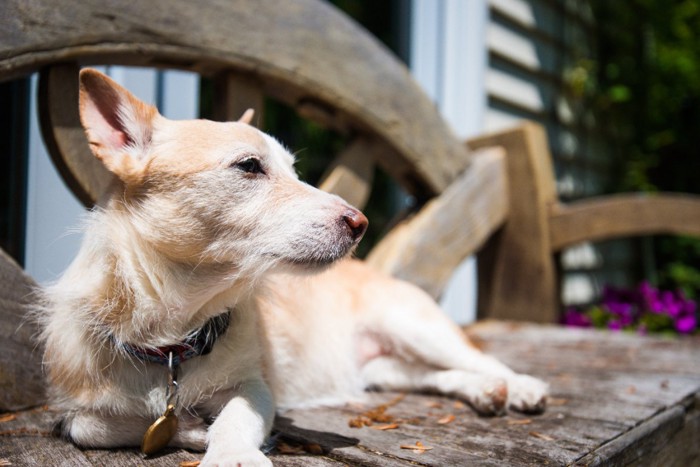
527, 394
191, 433
490, 398
248, 458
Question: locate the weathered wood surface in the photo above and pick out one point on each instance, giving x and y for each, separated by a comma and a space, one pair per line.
304, 53
617, 399
21, 380
624, 215
517, 273
351, 173
64, 135
427, 248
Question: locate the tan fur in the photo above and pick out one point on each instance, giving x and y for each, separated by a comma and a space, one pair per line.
207, 218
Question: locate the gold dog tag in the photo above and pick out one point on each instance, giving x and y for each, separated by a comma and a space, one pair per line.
160, 433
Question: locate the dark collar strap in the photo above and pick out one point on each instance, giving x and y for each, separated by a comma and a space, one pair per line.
197, 343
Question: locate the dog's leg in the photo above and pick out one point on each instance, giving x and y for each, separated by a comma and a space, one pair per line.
422, 332
92, 430
235, 437
486, 394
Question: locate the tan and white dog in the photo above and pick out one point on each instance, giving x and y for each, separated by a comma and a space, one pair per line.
202, 253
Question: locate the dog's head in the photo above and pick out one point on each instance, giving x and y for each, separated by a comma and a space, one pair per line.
204, 192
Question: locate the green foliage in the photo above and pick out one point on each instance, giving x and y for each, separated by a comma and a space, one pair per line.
643, 86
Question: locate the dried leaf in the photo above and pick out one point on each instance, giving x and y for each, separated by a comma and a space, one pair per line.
631, 390
459, 405
284, 448
5, 462
7, 417
388, 426
446, 419
359, 422
313, 448
379, 415
524, 421
541, 436
190, 463
410, 421
554, 402
433, 405
376, 415
418, 448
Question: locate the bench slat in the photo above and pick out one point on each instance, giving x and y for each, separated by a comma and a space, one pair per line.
21, 378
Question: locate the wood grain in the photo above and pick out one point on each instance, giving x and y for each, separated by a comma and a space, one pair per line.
517, 274
428, 247
304, 53
623, 215
234, 93
64, 135
616, 399
351, 173
21, 378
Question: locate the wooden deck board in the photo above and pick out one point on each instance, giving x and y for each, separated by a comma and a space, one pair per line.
617, 399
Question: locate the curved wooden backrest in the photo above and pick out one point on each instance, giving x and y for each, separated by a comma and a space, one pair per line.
302, 52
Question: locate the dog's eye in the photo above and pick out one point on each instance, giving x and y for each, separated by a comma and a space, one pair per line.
251, 166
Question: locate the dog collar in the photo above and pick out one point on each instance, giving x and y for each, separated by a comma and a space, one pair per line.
197, 343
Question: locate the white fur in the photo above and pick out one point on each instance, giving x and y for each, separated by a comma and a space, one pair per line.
186, 233
192, 228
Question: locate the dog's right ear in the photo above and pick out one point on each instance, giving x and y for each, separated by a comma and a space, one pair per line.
118, 125
247, 116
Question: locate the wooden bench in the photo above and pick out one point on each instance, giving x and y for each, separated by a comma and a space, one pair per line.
616, 398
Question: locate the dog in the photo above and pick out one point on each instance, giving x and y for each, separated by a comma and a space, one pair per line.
212, 286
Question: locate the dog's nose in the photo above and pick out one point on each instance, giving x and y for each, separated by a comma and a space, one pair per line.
357, 222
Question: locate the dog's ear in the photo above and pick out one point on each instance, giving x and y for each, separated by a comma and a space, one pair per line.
247, 116
118, 125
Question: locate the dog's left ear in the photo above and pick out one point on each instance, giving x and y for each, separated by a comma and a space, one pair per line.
118, 125
247, 116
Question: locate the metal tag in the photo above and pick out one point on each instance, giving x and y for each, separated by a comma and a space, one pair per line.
160, 432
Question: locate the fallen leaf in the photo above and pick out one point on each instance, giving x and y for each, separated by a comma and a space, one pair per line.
446, 419
5, 462
359, 422
459, 405
284, 448
376, 415
433, 404
631, 390
313, 448
396, 400
554, 402
190, 463
524, 421
7, 417
388, 426
379, 415
418, 448
541, 436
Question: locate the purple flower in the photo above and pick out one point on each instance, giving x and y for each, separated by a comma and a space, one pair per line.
686, 324
645, 308
576, 318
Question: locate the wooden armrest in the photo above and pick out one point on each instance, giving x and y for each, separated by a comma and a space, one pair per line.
623, 215
427, 248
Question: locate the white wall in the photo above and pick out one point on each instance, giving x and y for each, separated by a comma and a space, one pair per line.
449, 59
53, 213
